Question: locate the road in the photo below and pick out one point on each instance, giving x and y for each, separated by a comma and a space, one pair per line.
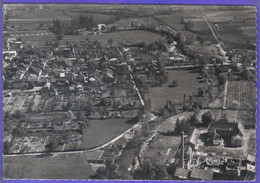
221, 50
132, 78
87, 150
10, 98
225, 95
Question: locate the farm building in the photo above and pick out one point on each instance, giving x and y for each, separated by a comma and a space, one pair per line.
193, 139
9, 55
236, 141
213, 138
227, 131
199, 174
182, 173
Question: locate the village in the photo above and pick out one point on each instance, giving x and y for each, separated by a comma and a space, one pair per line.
143, 108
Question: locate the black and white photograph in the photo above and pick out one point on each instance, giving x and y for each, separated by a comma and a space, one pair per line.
129, 92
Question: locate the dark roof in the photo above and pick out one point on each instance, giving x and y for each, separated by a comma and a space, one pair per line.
201, 174
193, 137
223, 125
182, 173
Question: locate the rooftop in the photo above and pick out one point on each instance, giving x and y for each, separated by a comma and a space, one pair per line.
182, 173
193, 137
201, 174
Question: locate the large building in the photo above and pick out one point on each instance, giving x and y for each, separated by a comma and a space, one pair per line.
219, 131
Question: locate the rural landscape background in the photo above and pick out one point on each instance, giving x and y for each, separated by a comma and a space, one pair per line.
143, 92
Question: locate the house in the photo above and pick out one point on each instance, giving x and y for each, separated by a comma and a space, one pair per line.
199, 174
236, 141
70, 61
9, 55
213, 138
108, 75
227, 131
102, 27
19, 84
193, 139
182, 173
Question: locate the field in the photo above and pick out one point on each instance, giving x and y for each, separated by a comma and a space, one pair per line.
65, 166
241, 95
124, 37
173, 20
194, 37
98, 18
236, 27
187, 84
38, 41
99, 132
136, 21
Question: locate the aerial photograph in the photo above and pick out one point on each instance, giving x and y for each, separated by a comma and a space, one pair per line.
129, 92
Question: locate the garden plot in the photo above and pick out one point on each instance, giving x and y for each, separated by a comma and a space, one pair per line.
241, 95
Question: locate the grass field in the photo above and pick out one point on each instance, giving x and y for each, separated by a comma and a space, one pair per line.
98, 18
99, 132
231, 23
124, 37
137, 21
173, 20
187, 84
66, 166
38, 41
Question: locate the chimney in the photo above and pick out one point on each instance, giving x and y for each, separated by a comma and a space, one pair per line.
182, 149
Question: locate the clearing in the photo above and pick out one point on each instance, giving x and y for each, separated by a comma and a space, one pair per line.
187, 84
65, 166
99, 132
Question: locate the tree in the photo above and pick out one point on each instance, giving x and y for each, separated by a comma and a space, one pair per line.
6, 147
17, 114
53, 143
150, 170
177, 128
110, 41
107, 172
246, 74
194, 119
207, 118
183, 125
19, 132
222, 78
